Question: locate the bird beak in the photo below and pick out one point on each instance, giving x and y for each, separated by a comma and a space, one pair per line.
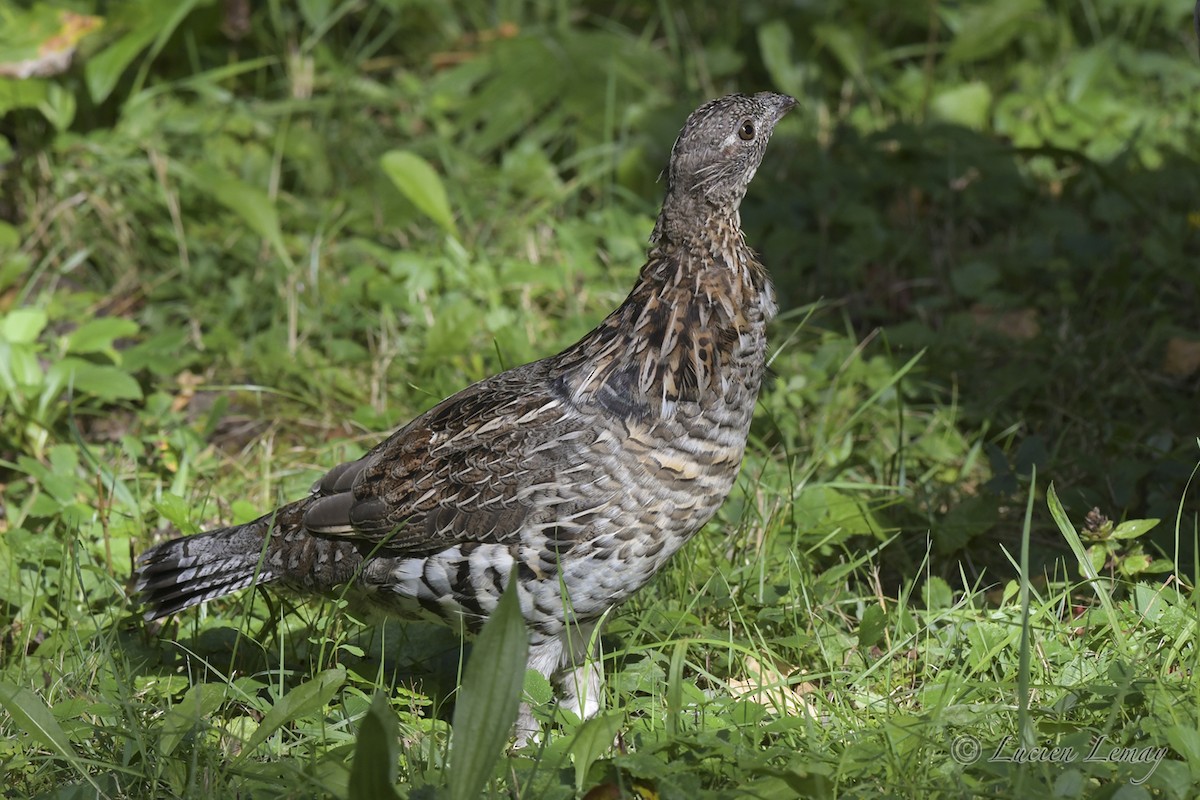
783, 104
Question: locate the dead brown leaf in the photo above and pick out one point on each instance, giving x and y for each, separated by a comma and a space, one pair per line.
769, 688
1183, 357
1019, 324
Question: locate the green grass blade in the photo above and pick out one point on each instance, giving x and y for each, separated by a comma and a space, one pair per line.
1024, 726
1085, 564
487, 701
675, 687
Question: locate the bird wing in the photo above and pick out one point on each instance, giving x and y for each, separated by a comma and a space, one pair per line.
468, 470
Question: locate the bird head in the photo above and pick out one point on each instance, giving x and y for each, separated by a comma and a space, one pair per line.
716, 155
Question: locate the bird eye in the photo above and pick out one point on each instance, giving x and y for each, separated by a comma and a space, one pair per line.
747, 130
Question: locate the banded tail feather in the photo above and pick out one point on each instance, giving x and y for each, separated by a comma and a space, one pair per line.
185, 572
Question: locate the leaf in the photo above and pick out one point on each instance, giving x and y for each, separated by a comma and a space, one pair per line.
843, 45
966, 104
306, 698
1183, 357
870, 629
1088, 569
487, 701
23, 325
1134, 564
973, 279
40, 41
156, 22
98, 335
775, 47
102, 381
936, 593
27, 93
105, 69
767, 688
373, 773
174, 509
418, 181
252, 205
197, 705
1020, 324
594, 738
537, 688
19, 368
989, 28
31, 714
1133, 528
1185, 740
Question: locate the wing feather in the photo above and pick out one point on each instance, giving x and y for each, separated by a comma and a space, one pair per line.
448, 478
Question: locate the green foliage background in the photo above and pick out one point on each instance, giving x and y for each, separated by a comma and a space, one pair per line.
240, 241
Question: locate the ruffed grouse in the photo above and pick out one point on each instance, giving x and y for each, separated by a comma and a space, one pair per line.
582, 473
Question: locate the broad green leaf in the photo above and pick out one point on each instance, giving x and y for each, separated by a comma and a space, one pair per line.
13, 266
315, 12
198, 704
98, 335
306, 698
843, 45
537, 688
10, 239
418, 181
41, 39
251, 204
19, 366
488, 698
102, 381
594, 738
973, 279
990, 27
870, 629
1134, 564
155, 22
1132, 529
174, 509
967, 104
103, 70
775, 47
16, 94
59, 107
31, 714
1185, 740
936, 593
373, 774
23, 325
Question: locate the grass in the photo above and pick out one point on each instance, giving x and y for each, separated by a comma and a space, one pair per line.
229, 263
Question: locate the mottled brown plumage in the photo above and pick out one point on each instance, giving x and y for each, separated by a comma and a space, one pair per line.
582, 473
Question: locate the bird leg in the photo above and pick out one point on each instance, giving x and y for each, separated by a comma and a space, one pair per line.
578, 680
566, 660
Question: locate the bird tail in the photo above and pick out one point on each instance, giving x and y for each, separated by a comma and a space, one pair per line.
183, 572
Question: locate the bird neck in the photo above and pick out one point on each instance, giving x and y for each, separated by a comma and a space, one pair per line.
697, 315
691, 218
